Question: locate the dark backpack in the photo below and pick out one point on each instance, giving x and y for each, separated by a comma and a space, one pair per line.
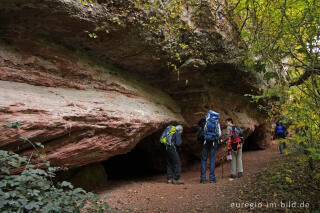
210, 128
200, 135
236, 133
236, 138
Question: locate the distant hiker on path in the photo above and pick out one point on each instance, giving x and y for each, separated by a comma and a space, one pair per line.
208, 137
281, 133
234, 140
171, 139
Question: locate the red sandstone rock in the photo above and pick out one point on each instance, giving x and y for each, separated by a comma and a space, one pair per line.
77, 127
84, 111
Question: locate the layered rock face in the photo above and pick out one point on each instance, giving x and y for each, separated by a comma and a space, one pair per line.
83, 115
89, 99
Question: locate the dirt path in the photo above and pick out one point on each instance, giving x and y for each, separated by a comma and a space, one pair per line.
155, 195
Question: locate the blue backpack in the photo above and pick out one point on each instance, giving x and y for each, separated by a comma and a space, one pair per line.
280, 130
210, 129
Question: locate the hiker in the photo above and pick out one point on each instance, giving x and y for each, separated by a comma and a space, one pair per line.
208, 136
234, 140
281, 133
171, 139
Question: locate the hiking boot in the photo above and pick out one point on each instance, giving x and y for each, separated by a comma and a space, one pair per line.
177, 181
239, 174
170, 181
213, 181
232, 176
202, 181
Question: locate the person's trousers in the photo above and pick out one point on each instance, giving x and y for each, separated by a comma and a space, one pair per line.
208, 149
236, 161
281, 147
173, 164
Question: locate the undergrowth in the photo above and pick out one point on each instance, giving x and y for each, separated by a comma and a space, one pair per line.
289, 185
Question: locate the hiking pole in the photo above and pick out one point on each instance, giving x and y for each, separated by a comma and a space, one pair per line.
222, 169
224, 157
222, 162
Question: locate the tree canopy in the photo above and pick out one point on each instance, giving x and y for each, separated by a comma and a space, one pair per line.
282, 39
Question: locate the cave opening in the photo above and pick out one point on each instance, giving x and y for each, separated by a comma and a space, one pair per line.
144, 160
147, 159
255, 140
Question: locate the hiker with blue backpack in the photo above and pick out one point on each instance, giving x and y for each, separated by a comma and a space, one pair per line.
281, 133
234, 140
171, 140
208, 136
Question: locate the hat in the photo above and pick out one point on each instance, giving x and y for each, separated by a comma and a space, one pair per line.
179, 127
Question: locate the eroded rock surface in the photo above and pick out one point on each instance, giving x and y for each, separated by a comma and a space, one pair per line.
89, 99
82, 116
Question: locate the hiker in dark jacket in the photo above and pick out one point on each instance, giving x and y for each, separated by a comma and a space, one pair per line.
208, 148
236, 160
281, 133
172, 157
200, 134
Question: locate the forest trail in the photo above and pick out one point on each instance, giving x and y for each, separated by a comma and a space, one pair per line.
153, 194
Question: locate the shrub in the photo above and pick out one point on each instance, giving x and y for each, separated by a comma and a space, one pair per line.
32, 190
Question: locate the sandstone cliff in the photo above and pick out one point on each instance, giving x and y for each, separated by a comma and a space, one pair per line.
90, 99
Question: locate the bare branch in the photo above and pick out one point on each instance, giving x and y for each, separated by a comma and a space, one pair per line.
232, 9
305, 76
245, 20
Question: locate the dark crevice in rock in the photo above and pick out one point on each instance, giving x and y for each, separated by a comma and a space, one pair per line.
255, 140
145, 159
88, 177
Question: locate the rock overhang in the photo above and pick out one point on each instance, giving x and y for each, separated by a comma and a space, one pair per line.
41, 43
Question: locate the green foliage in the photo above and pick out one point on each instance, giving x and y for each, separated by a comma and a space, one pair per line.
84, 2
32, 190
269, 75
281, 40
98, 206
92, 35
300, 110
278, 33
12, 124
314, 153
25, 187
